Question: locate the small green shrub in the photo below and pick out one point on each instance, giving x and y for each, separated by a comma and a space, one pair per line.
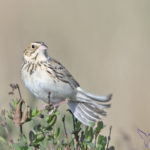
44, 133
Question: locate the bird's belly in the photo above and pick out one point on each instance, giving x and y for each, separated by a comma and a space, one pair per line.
42, 85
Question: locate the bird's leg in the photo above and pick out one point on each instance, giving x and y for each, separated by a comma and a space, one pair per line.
56, 105
49, 101
48, 105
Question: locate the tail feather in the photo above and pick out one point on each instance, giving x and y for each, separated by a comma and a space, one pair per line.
99, 98
88, 108
81, 114
77, 111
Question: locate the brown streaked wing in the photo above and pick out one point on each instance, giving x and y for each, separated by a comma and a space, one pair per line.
62, 73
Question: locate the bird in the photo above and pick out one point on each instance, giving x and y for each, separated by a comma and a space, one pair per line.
48, 80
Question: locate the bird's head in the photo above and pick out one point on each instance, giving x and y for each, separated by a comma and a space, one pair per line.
36, 51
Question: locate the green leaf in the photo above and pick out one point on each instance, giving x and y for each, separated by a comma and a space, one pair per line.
40, 137
77, 126
56, 112
48, 119
35, 144
91, 145
59, 148
104, 141
50, 138
16, 146
99, 127
51, 120
56, 132
72, 144
32, 136
86, 131
15, 103
37, 127
35, 113
3, 140
100, 139
9, 114
100, 147
54, 118
89, 135
92, 124
23, 142
83, 146
48, 127
44, 144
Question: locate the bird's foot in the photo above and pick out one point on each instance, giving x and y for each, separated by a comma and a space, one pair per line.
56, 105
52, 107
46, 107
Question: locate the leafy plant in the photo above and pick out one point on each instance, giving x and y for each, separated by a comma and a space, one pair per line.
44, 133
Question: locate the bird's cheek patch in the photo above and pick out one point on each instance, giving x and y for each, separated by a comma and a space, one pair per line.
27, 53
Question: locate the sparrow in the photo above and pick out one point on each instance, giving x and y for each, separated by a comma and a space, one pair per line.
48, 80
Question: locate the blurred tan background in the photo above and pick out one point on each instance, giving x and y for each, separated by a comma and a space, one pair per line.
105, 44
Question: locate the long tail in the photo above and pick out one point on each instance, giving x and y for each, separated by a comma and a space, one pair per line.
89, 108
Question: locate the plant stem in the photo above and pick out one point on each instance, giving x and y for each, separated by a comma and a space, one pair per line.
95, 140
75, 132
109, 138
17, 86
63, 120
21, 127
21, 130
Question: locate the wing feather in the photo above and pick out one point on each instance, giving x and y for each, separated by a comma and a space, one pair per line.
62, 73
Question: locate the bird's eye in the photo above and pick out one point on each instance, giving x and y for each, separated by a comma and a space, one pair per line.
33, 46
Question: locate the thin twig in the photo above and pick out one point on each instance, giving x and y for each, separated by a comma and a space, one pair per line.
109, 138
17, 86
63, 120
21, 127
75, 132
21, 130
95, 140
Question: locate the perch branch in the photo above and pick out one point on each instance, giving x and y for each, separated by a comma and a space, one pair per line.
63, 120
109, 138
